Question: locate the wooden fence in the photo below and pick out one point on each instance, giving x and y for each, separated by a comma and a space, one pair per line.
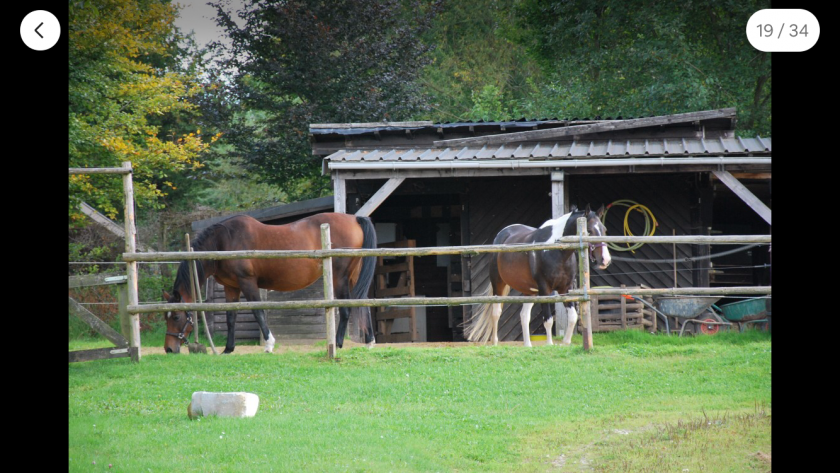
120, 340
132, 325
579, 243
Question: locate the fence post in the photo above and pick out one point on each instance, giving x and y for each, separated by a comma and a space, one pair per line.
326, 244
193, 278
131, 266
122, 310
583, 270
196, 294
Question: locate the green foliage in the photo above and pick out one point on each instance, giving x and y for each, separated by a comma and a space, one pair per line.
477, 63
642, 59
120, 53
586, 59
305, 61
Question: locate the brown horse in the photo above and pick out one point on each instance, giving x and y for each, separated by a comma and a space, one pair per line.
536, 272
351, 276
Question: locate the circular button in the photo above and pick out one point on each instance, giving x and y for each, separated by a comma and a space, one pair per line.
40, 30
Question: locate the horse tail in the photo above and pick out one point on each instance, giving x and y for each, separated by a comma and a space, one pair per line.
360, 289
479, 327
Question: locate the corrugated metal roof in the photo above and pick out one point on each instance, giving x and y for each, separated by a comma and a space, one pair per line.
513, 123
560, 150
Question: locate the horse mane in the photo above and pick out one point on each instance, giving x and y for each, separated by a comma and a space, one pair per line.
571, 223
207, 240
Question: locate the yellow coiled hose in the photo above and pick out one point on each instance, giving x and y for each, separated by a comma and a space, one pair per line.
650, 223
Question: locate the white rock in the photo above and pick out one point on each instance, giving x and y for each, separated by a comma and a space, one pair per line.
239, 404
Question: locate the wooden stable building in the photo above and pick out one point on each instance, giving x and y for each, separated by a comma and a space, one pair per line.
427, 184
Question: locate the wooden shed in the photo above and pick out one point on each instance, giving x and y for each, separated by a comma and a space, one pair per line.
434, 184
460, 183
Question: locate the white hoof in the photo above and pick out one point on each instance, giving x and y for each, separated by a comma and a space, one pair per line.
371, 344
269, 344
565, 344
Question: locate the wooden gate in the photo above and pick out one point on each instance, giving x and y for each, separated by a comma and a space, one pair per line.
120, 340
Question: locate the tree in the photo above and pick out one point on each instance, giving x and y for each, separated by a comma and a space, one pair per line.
307, 61
479, 71
118, 81
618, 58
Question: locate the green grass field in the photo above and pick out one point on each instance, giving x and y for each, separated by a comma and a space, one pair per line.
636, 402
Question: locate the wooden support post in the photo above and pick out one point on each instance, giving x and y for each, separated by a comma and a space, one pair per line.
558, 209
122, 311
131, 266
674, 246
583, 269
748, 197
558, 197
377, 198
326, 244
339, 195
193, 278
196, 294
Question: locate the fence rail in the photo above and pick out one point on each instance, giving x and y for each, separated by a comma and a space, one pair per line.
326, 304
122, 170
577, 295
564, 243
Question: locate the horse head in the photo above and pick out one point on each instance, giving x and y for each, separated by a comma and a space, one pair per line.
598, 252
179, 324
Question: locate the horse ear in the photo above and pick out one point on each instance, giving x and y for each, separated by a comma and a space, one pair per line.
586, 212
573, 208
600, 212
174, 297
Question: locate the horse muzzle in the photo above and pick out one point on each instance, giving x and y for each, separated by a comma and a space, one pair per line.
604, 256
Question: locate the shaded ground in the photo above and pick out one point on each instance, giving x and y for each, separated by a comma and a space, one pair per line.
278, 348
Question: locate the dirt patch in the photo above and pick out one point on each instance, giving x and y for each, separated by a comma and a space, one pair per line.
764, 457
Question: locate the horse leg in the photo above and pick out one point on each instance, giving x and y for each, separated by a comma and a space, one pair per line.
570, 326
525, 317
548, 317
548, 324
342, 291
252, 293
497, 288
231, 295
496, 314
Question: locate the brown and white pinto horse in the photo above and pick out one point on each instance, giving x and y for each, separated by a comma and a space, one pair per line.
536, 272
351, 276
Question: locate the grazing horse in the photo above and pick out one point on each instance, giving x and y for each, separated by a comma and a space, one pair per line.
351, 276
536, 272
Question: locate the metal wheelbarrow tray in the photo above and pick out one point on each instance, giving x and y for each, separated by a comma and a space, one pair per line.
755, 310
687, 308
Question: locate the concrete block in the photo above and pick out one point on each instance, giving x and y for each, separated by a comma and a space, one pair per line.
237, 404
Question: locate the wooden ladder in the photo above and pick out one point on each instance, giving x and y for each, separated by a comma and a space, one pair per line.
395, 278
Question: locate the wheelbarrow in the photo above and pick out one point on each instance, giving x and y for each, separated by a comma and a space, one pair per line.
749, 311
687, 309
